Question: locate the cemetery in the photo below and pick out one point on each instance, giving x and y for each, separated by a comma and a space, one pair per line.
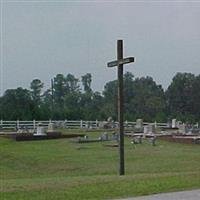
77, 159
77, 122
98, 159
176, 131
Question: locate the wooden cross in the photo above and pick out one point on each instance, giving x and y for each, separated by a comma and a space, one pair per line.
119, 62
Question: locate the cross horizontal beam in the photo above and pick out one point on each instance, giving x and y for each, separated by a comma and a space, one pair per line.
121, 62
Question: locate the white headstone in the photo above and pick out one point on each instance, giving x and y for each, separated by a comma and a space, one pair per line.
139, 124
40, 130
174, 123
182, 128
146, 130
149, 129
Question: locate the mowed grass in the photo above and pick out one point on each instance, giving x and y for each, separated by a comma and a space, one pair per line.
62, 169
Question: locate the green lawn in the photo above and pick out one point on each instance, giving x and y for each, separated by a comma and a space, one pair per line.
62, 169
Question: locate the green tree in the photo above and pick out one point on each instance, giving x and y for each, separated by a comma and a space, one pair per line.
60, 90
110, 100
179, 96
143, 98
36, 90
72, 84
148, 102
17, 104
46, 107
128, 94
71, 107
36, 94
86, 81
195, 98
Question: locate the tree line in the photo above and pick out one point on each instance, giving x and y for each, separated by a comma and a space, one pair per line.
73, 98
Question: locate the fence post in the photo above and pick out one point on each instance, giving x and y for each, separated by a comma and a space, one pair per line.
96, 123
126, 123
66, 123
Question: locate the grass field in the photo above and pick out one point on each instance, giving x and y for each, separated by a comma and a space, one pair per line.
61, 169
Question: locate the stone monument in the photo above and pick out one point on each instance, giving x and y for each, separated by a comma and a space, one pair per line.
145, 130
40, 130
139, 125
182, 128
150, 129
104, 136
174, 125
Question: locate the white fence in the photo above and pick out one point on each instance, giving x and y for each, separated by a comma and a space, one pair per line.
67, 124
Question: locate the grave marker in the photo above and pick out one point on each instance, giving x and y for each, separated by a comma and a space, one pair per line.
174, 124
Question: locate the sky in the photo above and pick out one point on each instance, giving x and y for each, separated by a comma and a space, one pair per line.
40, 39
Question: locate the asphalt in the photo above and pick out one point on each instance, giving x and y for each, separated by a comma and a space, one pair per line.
183, 195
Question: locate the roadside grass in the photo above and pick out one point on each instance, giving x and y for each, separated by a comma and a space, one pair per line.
62, 169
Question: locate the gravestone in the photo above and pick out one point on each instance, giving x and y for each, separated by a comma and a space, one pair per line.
86, 137
104, 136
178, 124
115, 136
139, 125
40, 130
152, 140
20, 131
174, 125
149, 130
109, 124
145, 130
182, 128
137, 139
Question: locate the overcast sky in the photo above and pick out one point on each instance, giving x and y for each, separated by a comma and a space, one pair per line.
40, 39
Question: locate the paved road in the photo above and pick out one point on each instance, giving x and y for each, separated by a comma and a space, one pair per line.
185, 195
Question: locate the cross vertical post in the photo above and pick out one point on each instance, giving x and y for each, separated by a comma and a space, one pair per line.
119, 63
120, 107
